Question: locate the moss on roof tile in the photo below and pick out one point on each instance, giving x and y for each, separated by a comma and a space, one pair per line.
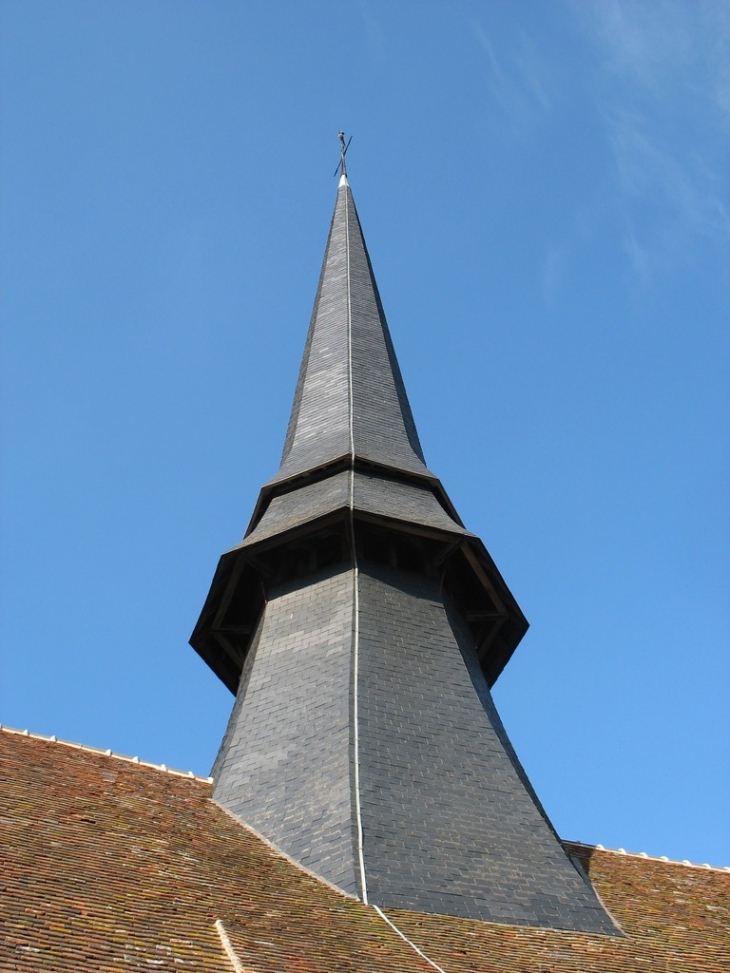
113, 866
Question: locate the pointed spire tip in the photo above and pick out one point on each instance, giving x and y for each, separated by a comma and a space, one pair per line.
343, 181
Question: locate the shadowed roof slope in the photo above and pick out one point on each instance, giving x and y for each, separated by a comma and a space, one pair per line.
109, 865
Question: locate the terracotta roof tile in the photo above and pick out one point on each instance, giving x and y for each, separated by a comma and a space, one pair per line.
111, 865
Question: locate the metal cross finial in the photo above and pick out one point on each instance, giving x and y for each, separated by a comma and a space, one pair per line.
341, 165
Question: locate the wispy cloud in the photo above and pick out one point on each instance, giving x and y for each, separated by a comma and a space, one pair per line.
641, 41
552, 275
648, 165
518, 83
638, 254
665, 76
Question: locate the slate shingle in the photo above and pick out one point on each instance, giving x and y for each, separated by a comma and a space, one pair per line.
449, 821
350, 393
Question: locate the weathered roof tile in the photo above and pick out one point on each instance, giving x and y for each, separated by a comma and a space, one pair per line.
110, 866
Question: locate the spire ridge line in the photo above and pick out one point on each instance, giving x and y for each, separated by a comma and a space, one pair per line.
350, 393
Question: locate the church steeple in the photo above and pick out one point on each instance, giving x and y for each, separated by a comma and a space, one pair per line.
361, 627
350, 401
351, 414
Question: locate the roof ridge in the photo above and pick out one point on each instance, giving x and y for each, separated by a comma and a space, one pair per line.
188, 774
642, 854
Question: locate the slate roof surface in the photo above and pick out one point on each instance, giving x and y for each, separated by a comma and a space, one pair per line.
350, 399
375, 495
432, 791
111, 865
352, 473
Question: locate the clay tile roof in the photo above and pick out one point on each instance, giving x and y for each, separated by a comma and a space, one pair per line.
112, 865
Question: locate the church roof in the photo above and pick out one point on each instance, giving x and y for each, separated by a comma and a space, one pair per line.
111, 865
362, 626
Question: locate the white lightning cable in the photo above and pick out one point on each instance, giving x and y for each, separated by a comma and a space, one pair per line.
407, 940
356, 622
355, 718
230, 952
355, 579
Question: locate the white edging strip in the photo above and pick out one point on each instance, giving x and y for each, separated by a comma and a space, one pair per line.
228, 947
407, 940
356, 575
356, 737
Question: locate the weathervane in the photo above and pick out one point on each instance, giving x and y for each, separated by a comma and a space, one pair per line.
341, 165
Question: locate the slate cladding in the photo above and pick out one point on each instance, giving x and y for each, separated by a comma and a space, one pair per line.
112, 866
284, 765
448, 825
385, 497
368, 625
349, 372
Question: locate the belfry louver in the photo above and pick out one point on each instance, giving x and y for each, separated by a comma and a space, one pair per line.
361, 626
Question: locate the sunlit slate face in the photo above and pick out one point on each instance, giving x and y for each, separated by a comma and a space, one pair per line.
364, 742
350, 399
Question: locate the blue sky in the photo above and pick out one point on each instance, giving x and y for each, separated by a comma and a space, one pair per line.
543, 188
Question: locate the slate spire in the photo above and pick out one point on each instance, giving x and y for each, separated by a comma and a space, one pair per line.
350, 401
361, 626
